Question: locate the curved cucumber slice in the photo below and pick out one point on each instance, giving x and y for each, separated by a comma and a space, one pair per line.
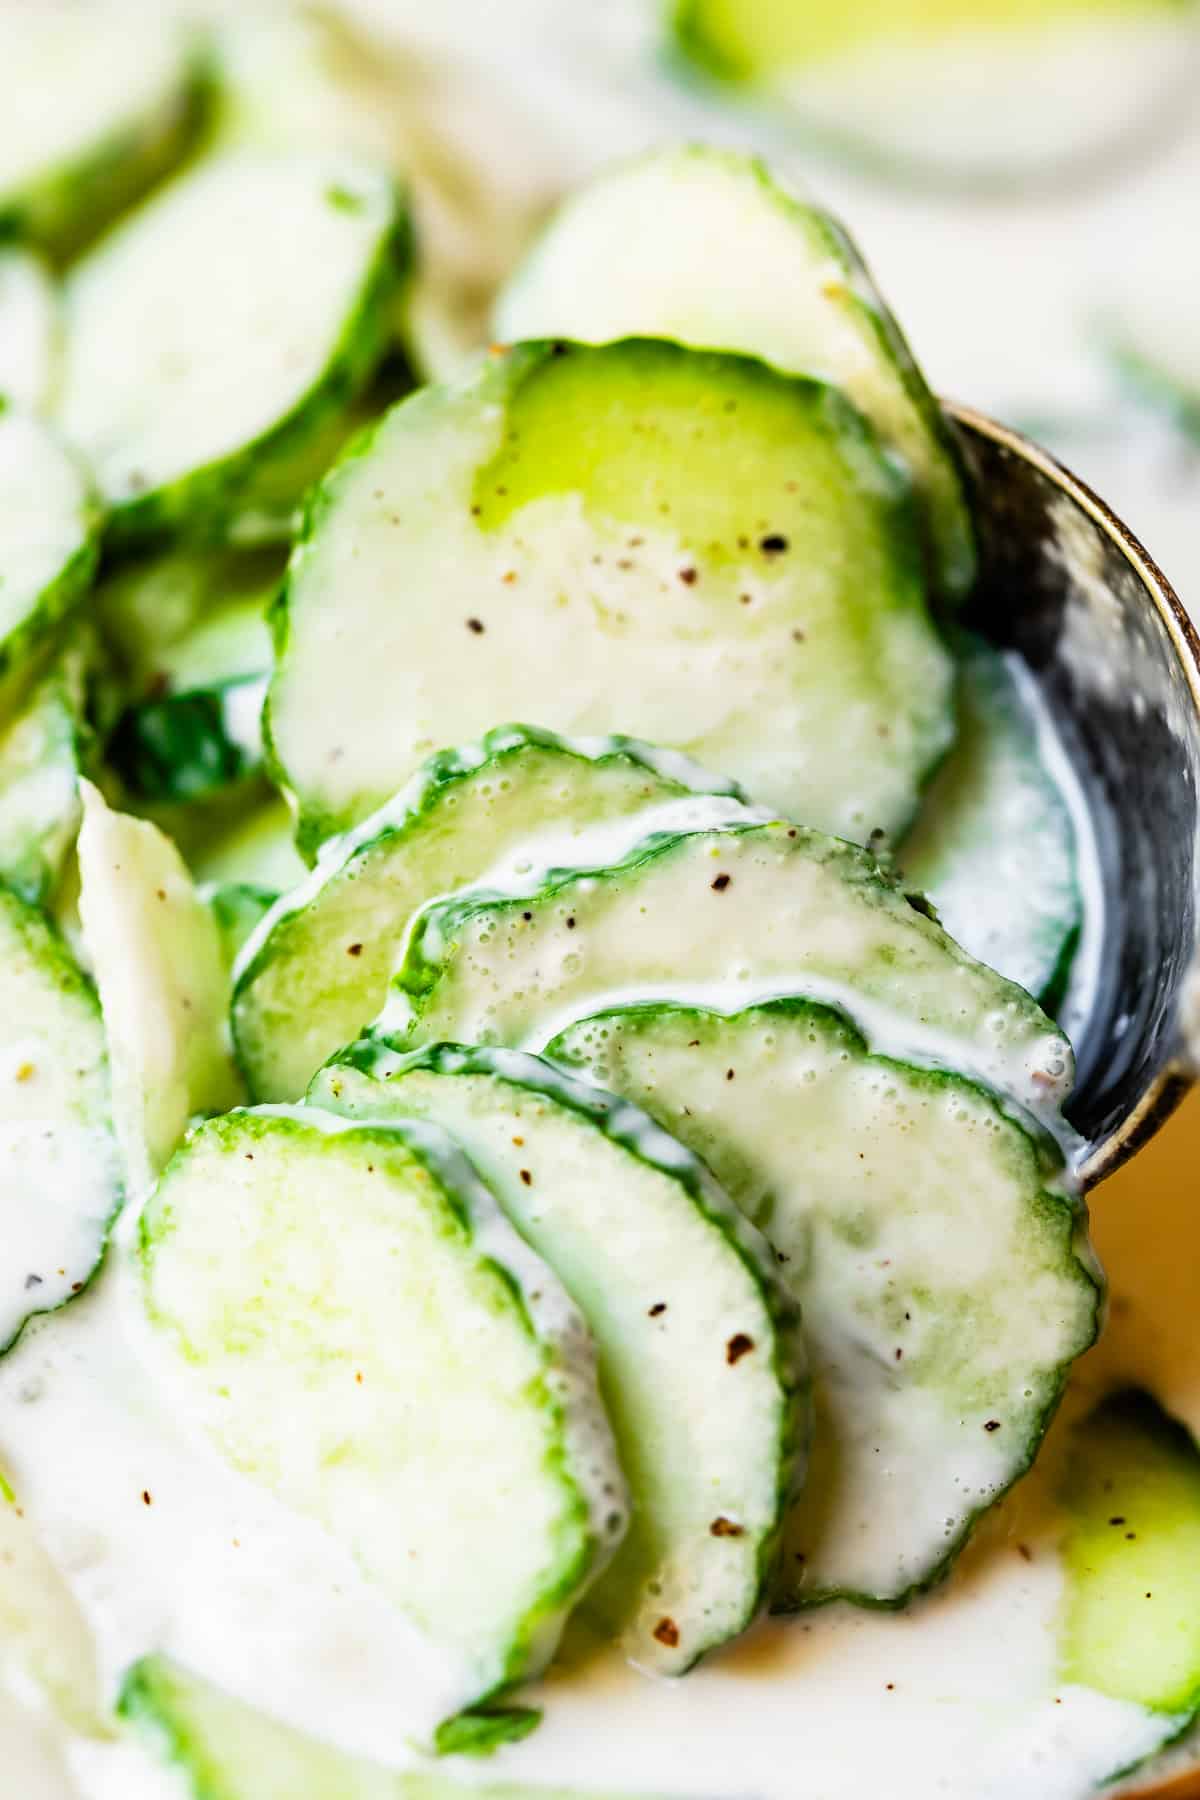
967, 91
224, 1750
631, 255
723, 919
218, 331
319, 971
95, 103
28, 329
943, 1277
1131, 1620
688, 545
159, 966
435, 1372
249, 838
48, 540
45, 1639
60, 1182
994, 846
178, 617
698, 1346
39, 780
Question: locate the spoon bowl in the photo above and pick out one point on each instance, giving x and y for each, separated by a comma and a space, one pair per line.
1068, 587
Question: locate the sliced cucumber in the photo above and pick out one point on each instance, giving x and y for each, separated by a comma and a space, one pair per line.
1131, 1618
40, 749
682, 544
60, 1182
966, 91
226, 1751
631, 254
994, 846
95, 102
698, 1346
724, 919
218, 332
318, 973
44, 1637
439, 1381
48, 541
28, 329
942, 1271
159, 966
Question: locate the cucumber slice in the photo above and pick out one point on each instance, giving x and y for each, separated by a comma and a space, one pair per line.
96, 102
181, 618
969, 92
440, 1380
40, 749
1131, 1617
724, 919
61, 1183
797, 294
158, 962
994, 826
48, 541
28, 329
219, 330
45, 1641
941, 1268
672, 1284
226, 1751
687, 545
319, 971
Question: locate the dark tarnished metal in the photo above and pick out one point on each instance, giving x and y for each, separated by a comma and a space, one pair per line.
1110, 645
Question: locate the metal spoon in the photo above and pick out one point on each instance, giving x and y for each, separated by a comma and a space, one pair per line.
1068, 587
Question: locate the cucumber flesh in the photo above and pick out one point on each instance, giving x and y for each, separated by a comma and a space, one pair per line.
723, 919
441, 1381
158, 962
222, 326
943, 1277
1131, 1615
85, 125
994, 846
48, 530
662, 1266
631, 255
28, 329
608, 513
61, 1180
40, 749
224, 1750
318, 972
993, 94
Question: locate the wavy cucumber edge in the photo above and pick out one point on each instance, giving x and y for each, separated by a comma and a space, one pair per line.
396, 818
46, 946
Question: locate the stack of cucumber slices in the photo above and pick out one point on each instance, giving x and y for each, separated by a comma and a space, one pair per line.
498, 1210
